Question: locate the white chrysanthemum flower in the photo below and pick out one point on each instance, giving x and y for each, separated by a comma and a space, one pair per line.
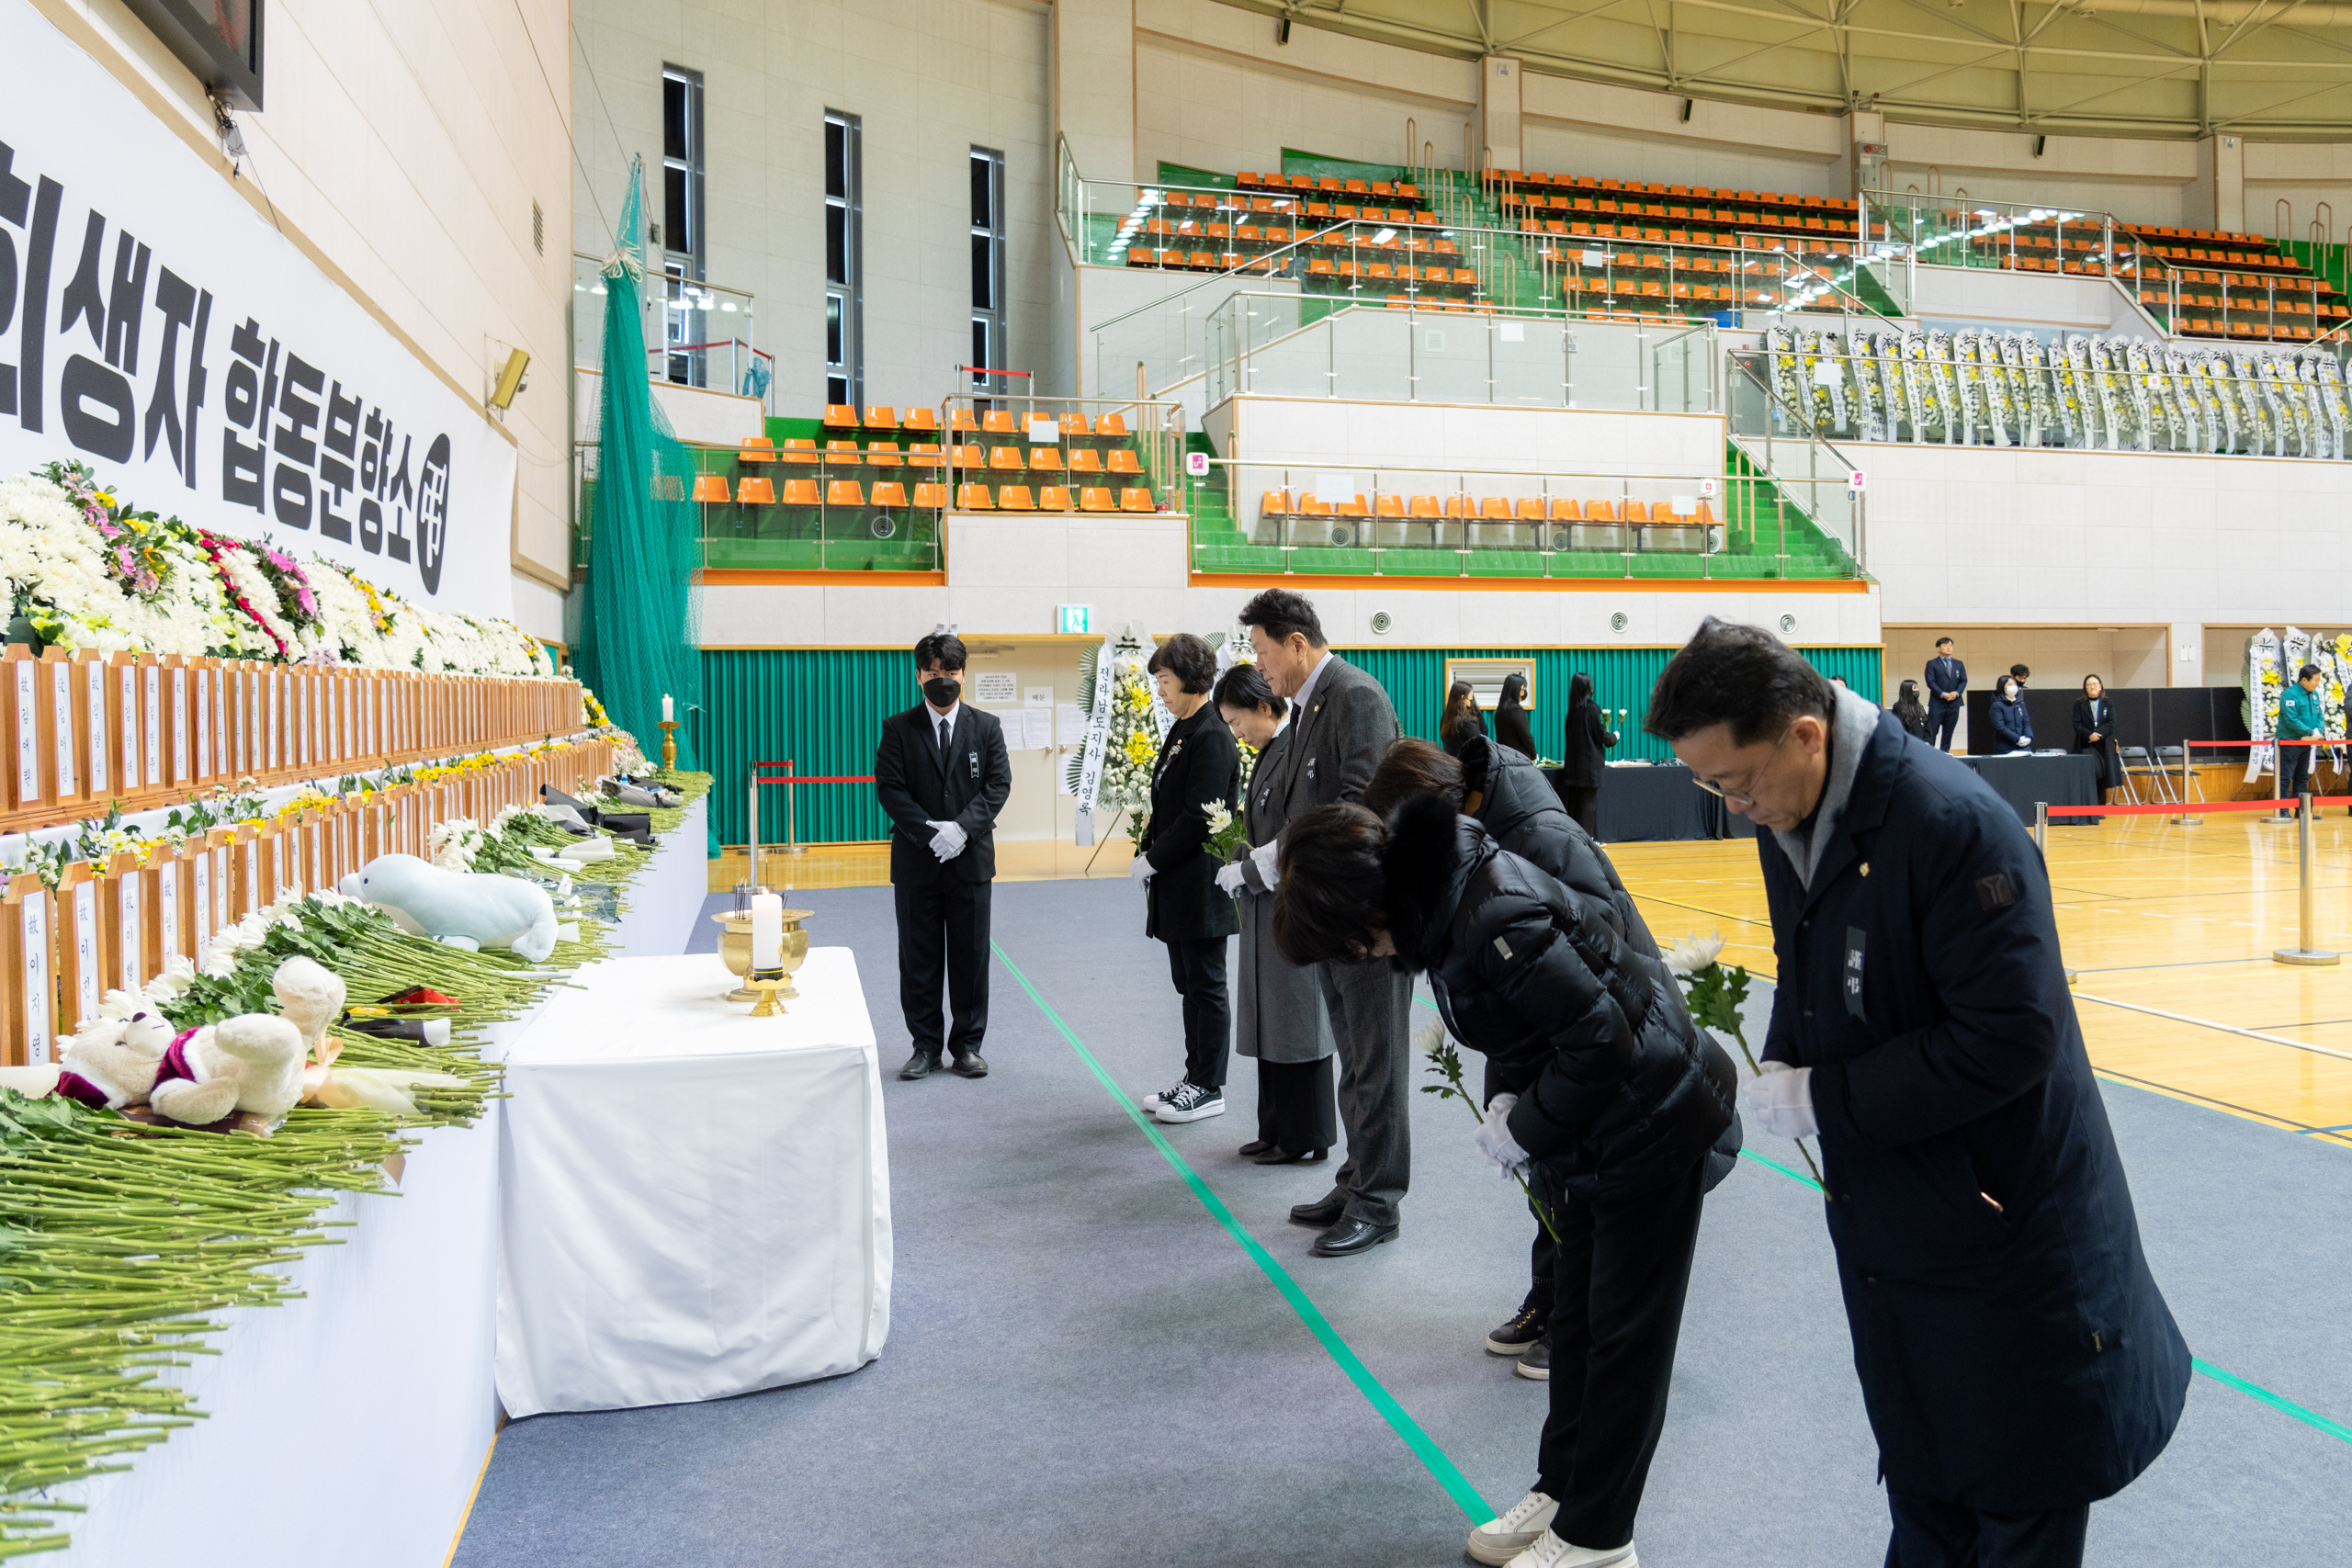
1694, 953
1429, 1038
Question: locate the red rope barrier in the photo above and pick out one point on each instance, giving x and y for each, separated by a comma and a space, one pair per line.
835, 778
2307, 740
2272, 804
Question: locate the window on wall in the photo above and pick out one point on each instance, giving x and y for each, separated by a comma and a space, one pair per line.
681, 247
988, 269
845, 268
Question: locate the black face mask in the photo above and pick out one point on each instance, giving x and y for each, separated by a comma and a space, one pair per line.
941, 691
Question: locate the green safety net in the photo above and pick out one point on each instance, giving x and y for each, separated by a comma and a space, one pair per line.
640, 627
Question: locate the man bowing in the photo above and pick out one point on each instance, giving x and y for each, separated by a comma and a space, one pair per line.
943, 774
2016, 1357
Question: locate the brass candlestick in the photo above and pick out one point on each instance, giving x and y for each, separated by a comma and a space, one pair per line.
735, 948
668, 742
765, 984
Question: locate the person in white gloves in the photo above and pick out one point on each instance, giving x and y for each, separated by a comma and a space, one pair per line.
2017, 1361
942, 774
1622, 1124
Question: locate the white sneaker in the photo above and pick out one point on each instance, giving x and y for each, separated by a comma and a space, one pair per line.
1551, 1552
1189, 1103
1154, 1101
1500, 1539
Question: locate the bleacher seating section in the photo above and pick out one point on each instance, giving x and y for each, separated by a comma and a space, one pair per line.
1676, 252
861, 481
1484, 522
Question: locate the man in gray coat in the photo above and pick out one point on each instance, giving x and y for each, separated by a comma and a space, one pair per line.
1342, 723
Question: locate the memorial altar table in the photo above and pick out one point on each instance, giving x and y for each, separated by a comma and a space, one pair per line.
694, 1202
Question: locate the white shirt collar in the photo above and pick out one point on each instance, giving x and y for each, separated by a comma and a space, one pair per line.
1306, 688
934, 719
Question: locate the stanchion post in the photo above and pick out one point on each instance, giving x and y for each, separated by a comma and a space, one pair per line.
2306, 956
752, 828
2041, 826
791, 812
2187, 819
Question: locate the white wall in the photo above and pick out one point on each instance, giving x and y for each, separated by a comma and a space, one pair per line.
1365, 437
931, 79
2076, 538
401, 148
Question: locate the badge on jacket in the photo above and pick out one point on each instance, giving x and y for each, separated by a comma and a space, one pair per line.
1852, 979
1310, 770
975, 756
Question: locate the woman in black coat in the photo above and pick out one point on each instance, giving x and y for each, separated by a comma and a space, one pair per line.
2095, 731
1912, 713
1508, 796
1511, 728
1589, 740
1618, 1128
1198, 767
1462, 716
2012, 725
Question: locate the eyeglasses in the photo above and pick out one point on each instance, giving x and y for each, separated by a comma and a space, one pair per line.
1740, 797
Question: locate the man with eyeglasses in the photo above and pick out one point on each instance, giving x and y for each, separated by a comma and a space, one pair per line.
2016, 1359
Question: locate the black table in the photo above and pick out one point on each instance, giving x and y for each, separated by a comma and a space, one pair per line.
1640, 805
2022, 780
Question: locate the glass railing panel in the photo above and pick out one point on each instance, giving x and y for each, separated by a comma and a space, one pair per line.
1531, 362
1451, 363
1371, 353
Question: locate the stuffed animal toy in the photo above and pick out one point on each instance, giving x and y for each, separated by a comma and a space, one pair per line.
111, 1064
310, 995
466, 909
249, 1066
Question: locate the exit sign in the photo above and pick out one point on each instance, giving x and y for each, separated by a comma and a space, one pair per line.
1076, 618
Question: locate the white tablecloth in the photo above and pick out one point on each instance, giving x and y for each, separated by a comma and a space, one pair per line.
694, 1202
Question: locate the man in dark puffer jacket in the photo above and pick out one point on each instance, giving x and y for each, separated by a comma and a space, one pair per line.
1512, 799
1621, 1130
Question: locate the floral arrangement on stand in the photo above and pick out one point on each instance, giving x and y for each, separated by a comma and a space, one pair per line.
84, 569
1131, 749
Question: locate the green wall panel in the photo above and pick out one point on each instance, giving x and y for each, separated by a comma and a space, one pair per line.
824, 707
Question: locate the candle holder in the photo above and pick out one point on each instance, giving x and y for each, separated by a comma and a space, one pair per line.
668, 742
766, 984
735, 949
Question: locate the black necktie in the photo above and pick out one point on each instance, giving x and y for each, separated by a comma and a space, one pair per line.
945, 732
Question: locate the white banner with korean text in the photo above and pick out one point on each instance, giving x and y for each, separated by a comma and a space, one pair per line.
156, 327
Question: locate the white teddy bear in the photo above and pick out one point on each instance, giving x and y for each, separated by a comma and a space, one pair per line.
111, 1064
249, 1066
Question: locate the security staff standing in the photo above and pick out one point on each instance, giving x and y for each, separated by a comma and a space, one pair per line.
943, 774
2016, 1359
1946, 690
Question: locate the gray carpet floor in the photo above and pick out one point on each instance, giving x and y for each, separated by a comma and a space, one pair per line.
1085, 1368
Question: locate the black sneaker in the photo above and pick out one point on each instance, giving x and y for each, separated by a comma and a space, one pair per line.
1526, 1327
1154, 1100
1537, 1363
1189, 1103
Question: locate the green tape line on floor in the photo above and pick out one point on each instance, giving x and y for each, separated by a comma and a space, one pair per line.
1448, 1474
2279, 1403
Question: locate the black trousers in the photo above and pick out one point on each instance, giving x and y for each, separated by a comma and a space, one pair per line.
2294, 770
1948, 1535
1584, 804
1943, 719
1197, 966
1297, 1111
1616, 1314
944, 933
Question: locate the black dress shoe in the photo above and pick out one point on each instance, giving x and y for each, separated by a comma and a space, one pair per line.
1351, 1237
920, 1066
1322, 1212
971, 1067
1283, 1156
1254, 1147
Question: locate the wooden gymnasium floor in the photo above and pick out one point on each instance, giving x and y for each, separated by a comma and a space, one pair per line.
2170, 931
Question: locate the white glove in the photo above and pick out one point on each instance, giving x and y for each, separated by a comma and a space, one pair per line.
1495, 1141
1265, 856
947, 842
1139, 869
1779, 1100
1229, 877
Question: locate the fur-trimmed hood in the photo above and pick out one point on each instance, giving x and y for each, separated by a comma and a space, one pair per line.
1431, 855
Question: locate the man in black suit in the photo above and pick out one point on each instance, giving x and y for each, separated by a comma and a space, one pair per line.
1947, 689
943, 774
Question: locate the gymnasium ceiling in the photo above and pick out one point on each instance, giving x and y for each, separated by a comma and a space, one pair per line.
2279, 70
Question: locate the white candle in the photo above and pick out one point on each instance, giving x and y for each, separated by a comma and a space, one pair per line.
666, 714
767, 932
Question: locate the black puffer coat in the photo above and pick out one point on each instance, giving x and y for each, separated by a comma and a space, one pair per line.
1625, 1095
1515, 803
